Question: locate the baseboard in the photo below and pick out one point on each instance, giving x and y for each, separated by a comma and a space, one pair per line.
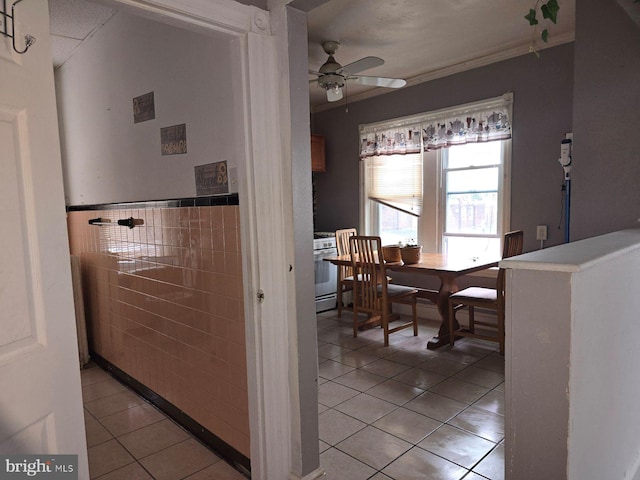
317, 474
236, 459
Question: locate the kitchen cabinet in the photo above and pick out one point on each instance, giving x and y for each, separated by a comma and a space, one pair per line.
317, 153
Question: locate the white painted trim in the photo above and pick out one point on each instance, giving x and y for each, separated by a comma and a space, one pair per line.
272, 349
264, 228
315, 475
226, 17
505, 190
506, 99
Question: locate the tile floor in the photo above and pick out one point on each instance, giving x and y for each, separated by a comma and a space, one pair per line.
397, 412
129, 439
403, 412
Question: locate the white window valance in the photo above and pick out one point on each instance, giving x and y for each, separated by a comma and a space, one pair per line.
393, 141
482, 121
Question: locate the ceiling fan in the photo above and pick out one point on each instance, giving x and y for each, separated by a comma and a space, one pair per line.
332, 76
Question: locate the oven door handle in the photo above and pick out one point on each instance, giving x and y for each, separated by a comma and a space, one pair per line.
325, 253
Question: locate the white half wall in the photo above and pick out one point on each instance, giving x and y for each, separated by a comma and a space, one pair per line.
571, 360
109, 158
605, 354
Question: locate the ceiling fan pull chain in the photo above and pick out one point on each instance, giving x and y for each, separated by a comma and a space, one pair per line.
346, 99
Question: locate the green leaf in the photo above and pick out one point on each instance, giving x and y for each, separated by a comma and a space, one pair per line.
545, 35
550, 10
531, 17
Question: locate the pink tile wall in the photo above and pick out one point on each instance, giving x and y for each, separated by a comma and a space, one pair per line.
164, 303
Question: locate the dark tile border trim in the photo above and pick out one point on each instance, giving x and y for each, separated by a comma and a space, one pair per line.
219, 446
210, 201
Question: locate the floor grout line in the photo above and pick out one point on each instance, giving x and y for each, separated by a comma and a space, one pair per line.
470, 350
406, 347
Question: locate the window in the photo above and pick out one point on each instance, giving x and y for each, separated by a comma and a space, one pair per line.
394, 183
472, 190
395, 226
460, 171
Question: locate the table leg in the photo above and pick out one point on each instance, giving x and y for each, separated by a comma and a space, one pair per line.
448, 286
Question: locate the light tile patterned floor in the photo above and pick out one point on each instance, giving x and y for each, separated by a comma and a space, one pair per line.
129, 439
403, 412
397, 412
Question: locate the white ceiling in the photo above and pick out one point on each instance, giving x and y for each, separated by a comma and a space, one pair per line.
72, 22
419, 40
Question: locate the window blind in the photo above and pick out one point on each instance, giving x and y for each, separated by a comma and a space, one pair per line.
396, 181
392, 148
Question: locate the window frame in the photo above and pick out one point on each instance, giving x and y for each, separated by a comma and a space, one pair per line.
504, 195
432, 222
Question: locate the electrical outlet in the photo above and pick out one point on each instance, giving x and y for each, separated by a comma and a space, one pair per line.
541, 232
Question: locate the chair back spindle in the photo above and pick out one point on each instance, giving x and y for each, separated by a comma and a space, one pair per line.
488, 298
513, 242
364, 261
345, 273
342, 246
372, 293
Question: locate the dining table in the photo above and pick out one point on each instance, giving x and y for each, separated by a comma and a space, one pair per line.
448, 269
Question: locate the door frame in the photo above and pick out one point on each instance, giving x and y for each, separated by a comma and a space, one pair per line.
265, 222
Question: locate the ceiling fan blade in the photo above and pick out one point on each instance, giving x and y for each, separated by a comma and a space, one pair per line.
333, 95
313, 72
363, 64
379, 81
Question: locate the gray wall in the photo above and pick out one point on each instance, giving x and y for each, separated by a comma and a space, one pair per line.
543, 91
606, 176
108, 158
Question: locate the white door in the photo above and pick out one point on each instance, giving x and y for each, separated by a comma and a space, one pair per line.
40, 394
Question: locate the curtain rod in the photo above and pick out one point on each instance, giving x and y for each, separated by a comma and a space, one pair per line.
506, 98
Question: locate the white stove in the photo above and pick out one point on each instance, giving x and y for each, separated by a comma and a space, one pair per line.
326, 274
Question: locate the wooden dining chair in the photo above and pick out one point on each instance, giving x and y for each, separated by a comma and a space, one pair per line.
488, 298
372, 292
345, 273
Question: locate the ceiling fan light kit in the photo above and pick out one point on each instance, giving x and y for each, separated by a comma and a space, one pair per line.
334, 93
333, 77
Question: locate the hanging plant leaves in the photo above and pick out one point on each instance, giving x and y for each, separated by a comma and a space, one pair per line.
531, 17
550, 10
545, 35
